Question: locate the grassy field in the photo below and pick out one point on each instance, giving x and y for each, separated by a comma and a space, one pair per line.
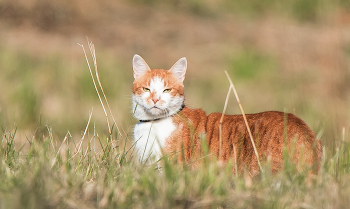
103, 174
289, 56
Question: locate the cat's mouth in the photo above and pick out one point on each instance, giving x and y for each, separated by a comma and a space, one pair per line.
155, 111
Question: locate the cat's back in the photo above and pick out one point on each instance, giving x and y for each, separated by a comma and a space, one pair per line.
262, 118
271, 131
233, 126
271, 123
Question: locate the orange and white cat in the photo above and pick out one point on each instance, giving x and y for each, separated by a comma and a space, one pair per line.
167, 126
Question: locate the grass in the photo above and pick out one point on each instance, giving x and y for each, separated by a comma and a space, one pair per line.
46, 174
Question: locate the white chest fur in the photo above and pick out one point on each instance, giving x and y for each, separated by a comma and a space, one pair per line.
150, 138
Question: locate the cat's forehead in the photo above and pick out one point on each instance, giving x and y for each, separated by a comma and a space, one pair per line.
157, 83
157, 76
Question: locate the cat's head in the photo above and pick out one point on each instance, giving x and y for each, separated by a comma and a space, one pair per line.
157, 93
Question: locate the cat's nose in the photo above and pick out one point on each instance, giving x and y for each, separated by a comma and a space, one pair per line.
155, 100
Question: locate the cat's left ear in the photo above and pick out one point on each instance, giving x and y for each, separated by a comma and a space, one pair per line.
179, 69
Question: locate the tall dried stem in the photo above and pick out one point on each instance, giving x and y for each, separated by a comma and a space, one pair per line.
245, 120
220, 123
82, 138
59, 149
93, 54
98, 94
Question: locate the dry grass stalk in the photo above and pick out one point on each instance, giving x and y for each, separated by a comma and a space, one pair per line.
50, 137
221, 119
82, 138
98, 94
59, 149
93, 54
245, 120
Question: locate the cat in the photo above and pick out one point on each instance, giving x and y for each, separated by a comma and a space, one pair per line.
168, 127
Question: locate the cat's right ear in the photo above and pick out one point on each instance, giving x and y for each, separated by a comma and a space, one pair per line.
179, 69
140, 66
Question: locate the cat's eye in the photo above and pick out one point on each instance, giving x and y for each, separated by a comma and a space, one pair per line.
146, 89
167, 90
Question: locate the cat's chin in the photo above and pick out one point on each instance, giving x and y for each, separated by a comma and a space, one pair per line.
155, 111
144, 113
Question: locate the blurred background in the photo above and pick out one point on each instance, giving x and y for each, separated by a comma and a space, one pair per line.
291, 55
